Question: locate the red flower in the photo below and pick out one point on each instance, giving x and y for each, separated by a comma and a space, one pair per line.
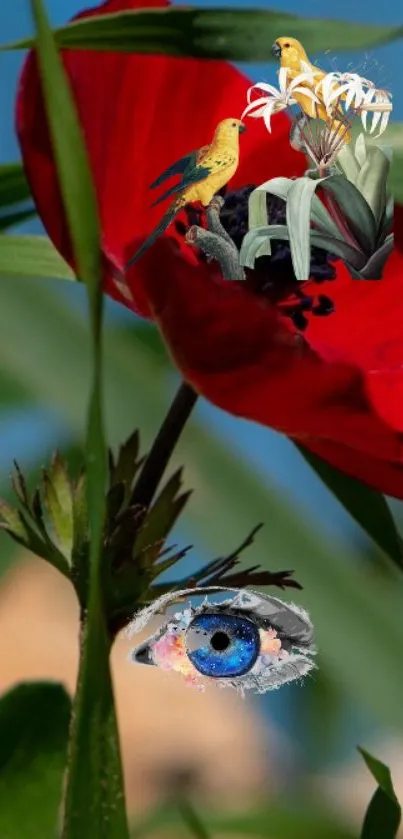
338, 388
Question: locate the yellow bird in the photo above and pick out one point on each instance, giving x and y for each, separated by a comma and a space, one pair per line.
292, 55
204, 172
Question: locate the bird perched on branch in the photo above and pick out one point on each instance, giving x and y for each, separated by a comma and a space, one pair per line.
292, 56
203, 173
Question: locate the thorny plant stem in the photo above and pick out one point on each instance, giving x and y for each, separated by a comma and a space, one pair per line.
164, 445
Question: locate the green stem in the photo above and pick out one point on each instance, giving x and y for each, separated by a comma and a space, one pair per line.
94, 803
191, 819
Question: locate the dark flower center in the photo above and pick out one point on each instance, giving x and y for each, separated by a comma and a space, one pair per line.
273, 276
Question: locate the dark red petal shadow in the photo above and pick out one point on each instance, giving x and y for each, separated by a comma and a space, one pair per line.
235, 350
139, 114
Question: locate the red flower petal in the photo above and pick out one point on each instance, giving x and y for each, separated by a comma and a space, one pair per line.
236, 350
139, 114
366, 330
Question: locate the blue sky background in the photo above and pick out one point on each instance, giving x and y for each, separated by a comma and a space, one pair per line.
24, 434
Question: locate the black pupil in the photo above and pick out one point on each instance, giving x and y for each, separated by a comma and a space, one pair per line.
220, 641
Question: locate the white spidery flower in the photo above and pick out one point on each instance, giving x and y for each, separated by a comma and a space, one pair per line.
276, 100
357, 96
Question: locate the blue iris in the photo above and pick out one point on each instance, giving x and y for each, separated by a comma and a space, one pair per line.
220, 645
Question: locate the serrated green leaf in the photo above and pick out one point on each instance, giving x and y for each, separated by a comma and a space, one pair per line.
237, 34
13, 184
114, 502
59, 504
162, 515
34, 721
372, 181
12, 521
128, 463
365, 505
32, 256
19, 485
383, 815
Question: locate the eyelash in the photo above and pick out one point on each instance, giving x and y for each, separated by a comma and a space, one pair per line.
284, 650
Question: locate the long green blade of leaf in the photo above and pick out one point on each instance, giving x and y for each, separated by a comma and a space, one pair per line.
34, 720
237, 34
384, 813
13, 184
94, 795
17, 217
364, 504
32, 256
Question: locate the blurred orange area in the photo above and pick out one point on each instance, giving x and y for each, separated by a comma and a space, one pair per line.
173, 738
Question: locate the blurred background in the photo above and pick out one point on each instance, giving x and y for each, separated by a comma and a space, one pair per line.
296, 745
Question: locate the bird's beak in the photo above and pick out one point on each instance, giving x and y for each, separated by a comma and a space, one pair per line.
242, 128
142, 654
276, 50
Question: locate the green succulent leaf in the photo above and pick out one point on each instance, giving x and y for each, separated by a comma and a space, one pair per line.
12, 521
373, 269
357, 212
348, 163
383, 815
372, 180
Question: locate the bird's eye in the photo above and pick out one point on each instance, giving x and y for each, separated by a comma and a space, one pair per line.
234, 125
287, 46
250, 642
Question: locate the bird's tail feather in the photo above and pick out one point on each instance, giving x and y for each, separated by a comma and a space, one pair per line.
159, 230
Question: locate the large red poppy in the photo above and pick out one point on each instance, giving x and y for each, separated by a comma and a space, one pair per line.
338, 388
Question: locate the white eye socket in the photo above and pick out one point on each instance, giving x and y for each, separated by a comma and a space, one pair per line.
251, 641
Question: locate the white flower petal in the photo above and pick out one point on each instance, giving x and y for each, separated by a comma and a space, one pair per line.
375, 119
306, 92
384, 123
267, 88
256, 104
282, 78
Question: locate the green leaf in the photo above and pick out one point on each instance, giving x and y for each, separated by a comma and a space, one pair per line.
59, 504
299, 202
32, 256
127, 464
162, 515
393, 139
383, 816
34, 720
237, 34
13, 184
372, 181
365, 505
254, 239
357, 212
17, 217
11, 520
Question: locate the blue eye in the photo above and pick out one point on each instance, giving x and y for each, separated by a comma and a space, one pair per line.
222, 645
252, 641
